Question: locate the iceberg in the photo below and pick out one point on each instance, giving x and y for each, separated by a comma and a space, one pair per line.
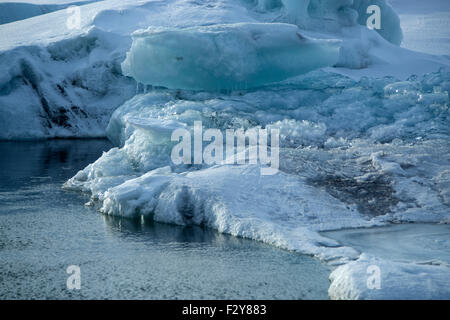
66, 82
413, 268
363, 122
224, 57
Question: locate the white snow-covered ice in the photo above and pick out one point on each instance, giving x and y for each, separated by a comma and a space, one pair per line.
65, 81
425, 25
363, 119
14, 10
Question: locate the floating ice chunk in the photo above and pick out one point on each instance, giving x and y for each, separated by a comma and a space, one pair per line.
320, 13
294, 133
414, 242
161, 129
233, 56
389, 20
383, 159
372, 278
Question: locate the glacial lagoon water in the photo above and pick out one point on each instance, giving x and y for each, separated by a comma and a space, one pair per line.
44, 230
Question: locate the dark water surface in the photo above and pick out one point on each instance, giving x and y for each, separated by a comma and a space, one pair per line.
44, 230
